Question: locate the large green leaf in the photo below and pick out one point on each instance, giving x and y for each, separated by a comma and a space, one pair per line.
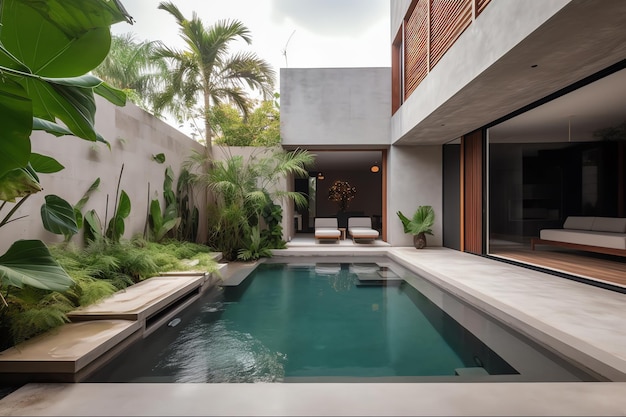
123, 207
8, 60
73, 105
45, 164
93, 227
28, 262
17, 183
156, 219
16, 115
74, 16
58, 217
116, 227
78, 207
50, 127
112, 94
93, 187
56, 49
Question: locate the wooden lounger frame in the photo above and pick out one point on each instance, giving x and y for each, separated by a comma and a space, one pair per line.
597, 249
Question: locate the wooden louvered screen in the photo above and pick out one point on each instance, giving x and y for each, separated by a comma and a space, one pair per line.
416, 47
472, 189
449, 18
480, 5
430, 28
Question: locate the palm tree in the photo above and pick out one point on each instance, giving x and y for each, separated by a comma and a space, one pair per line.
244, 188
130, 66
205, 67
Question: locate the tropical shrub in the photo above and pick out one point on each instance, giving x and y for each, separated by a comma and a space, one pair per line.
243, 190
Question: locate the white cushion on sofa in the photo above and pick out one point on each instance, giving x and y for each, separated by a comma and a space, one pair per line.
578, 223
609, 224
586, 237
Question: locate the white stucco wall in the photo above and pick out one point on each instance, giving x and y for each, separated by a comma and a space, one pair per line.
414, 179
335, 106
135, 136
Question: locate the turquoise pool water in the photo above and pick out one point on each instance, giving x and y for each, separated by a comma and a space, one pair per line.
324, 320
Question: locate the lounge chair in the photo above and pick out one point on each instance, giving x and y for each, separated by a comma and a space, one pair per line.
360, 228
326, 228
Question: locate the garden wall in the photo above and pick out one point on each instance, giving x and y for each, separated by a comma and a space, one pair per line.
135, 136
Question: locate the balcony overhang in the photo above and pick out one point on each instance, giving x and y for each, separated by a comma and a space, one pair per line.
580, 39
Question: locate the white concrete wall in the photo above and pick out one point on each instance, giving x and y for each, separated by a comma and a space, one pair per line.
398, 12
135, 136
335, 106
414, 179
499, 28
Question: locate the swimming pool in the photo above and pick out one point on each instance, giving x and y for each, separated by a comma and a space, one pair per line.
331, 320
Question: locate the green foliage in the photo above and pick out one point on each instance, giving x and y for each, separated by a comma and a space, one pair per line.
116, 227
255, 247
32, 321
78, 207
45, 48
160, 225
19, 182
273, 235
204, 73
243, 189
422, 221
28, 262
93, 227
131, 66
159, 158
189, 213
97, 271
44, 164
168, 193
260, 128
58, 216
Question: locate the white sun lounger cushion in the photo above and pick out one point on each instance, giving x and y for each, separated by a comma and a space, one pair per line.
326, 228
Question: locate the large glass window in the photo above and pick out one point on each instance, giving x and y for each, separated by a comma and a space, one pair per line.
563, 158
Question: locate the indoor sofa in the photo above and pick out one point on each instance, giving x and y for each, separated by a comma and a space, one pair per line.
593, 234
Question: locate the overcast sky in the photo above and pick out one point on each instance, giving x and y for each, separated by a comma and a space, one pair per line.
326, 33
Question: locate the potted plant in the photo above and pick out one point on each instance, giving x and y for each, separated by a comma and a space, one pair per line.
419, 225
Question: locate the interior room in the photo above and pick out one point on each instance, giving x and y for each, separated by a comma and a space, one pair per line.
342, 184
564, 158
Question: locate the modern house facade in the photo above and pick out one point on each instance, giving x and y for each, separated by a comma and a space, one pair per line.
506, 116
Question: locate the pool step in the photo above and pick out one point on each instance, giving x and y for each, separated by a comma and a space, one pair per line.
374, 280
471, 371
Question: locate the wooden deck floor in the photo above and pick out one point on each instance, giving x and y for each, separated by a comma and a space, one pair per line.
604, 268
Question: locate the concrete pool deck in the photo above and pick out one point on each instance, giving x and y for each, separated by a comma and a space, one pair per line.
586, 323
